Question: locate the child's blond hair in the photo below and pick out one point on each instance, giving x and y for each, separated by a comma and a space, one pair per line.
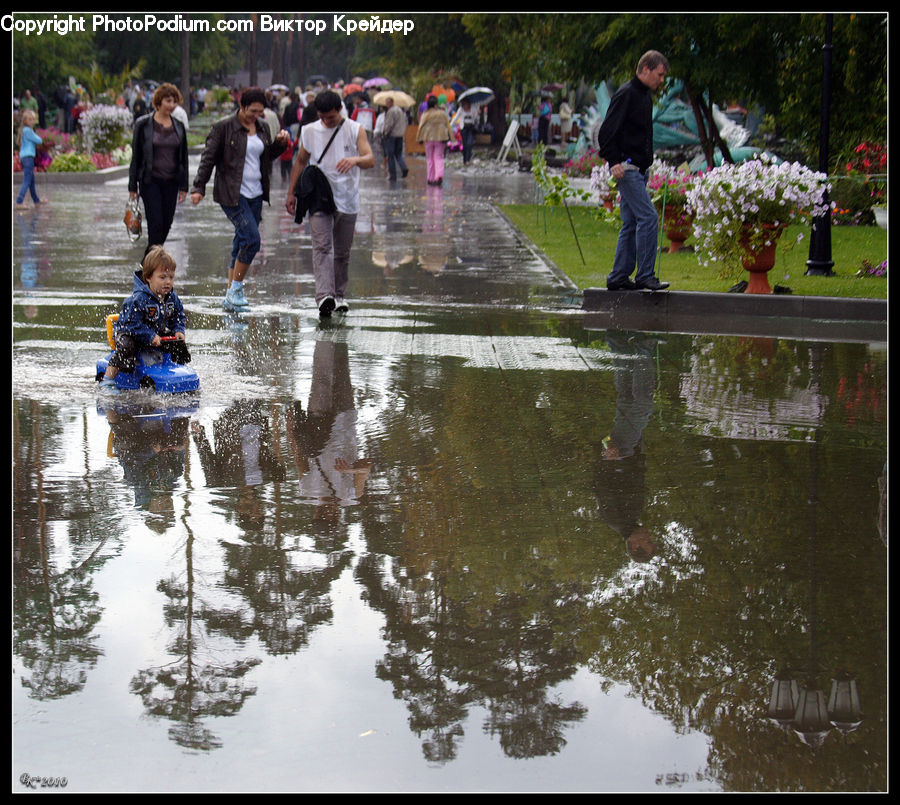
156, 258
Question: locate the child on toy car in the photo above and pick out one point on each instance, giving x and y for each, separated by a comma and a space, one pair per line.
151, 313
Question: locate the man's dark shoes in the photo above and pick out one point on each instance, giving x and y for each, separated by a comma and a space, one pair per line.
652, 284
620, 285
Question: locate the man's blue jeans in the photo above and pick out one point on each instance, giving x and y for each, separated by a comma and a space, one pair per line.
394, 147
639, 232
245, 217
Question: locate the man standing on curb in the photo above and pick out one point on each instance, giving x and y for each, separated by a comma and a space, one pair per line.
625, 141
394, 139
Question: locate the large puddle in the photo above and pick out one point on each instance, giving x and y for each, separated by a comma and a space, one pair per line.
454, 542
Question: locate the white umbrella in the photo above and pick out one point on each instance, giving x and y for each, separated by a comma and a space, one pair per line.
278, 88
476, 95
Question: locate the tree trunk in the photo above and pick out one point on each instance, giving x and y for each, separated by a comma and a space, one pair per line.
186, 69
705, 142
251, 56
716, 136
276, 60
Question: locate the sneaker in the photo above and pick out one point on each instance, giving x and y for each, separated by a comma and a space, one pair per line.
108, 386
340, 305
620, 285
326, 306
236, 298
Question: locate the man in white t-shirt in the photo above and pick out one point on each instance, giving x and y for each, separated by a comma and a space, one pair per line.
332, 234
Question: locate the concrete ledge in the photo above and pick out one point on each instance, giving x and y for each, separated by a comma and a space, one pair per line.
785, 315
79, 177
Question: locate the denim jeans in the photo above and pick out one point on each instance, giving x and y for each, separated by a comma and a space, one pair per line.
468, 140
28, 181
639, 232
245, 218
394, 146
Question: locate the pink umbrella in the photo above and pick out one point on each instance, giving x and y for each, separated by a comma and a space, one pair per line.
376, 82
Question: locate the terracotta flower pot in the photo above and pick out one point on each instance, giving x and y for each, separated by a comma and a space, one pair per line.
760, 262
678, 226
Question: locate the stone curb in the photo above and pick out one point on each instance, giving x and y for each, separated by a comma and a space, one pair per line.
785, 315
86, 177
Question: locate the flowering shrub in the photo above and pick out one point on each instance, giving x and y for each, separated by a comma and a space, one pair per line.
870, 161
105, 128
669, 184
602, 182
868, 158
120, 156
869, 270
54, 139
585, 164
739, 209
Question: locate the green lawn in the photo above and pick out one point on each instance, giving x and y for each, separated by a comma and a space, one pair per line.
549, 228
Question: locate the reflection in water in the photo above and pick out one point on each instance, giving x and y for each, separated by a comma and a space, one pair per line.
150, 447
619, 480
434, 241
192, 687
324, 438
466, 510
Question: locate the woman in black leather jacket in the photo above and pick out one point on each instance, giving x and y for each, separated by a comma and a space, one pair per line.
159, 164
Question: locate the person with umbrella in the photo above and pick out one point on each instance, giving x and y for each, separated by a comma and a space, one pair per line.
466, 118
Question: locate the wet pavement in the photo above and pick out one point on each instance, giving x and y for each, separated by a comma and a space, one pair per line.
467, 538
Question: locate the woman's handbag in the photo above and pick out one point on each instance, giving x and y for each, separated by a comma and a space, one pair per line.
313, 191
133, 218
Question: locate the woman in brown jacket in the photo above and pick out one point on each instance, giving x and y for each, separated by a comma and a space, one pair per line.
241, 151
434, 131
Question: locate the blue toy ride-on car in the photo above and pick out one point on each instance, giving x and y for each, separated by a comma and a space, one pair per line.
154, 369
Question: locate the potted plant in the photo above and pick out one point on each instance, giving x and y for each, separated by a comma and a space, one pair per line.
669, 187
603, 184
740, 212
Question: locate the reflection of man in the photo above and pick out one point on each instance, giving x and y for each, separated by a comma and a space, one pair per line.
241, 457
323, 438
619, 478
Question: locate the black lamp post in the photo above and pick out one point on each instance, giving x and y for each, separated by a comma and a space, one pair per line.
820, 262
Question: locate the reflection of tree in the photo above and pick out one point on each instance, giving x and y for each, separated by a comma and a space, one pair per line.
55, 610
521, 659
476, 598
418, 662
285, 603
193, 686
497, 576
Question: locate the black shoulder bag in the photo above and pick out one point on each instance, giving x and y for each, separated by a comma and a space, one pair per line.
313, 191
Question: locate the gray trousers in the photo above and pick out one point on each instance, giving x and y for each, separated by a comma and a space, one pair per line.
332, 237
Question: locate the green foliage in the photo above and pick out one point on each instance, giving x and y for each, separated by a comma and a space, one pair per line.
552, 233
71, 162
555, 188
